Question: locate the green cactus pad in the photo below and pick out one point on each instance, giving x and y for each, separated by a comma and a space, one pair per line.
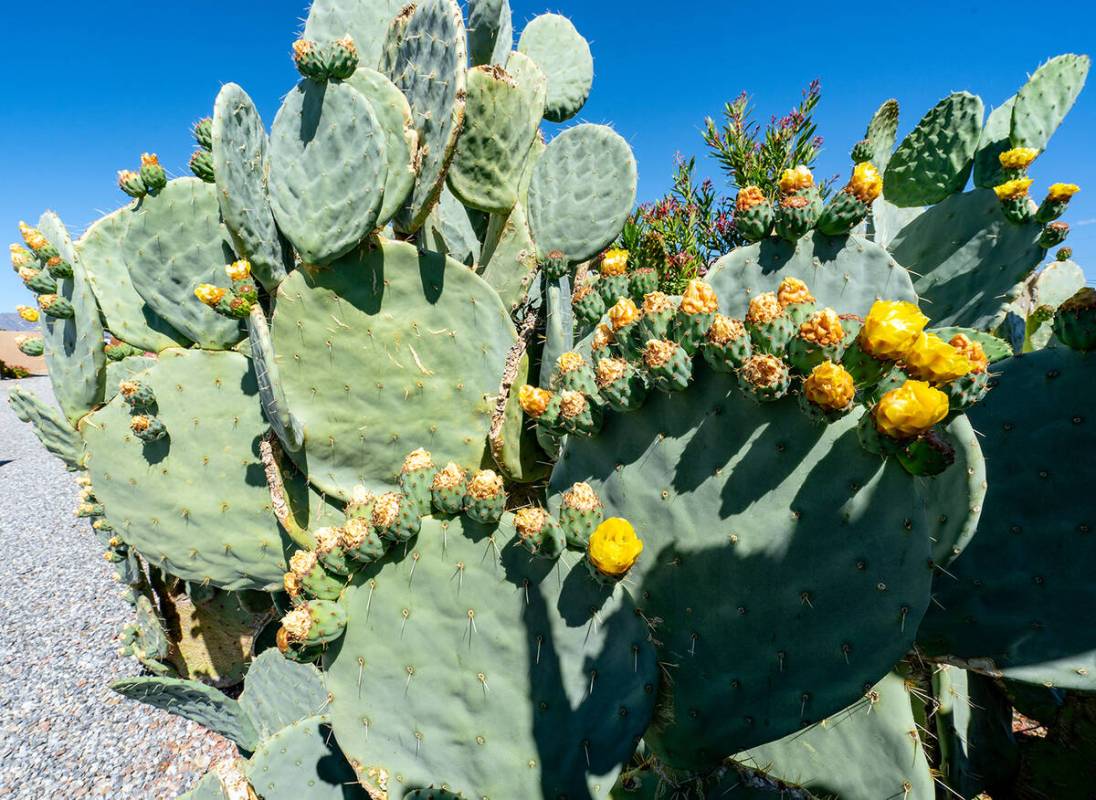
303, 760
1010, 601
102, 252
490, 31
279, 692
176, 241
195, 701
935, 159
240, 169
965, 257
995, 140
50, 426
882, 133
508, 261
582, 191
564, 56
817, 551
195, 503
413, 337
268, 376
73, 347
366, 21
428, 64
208, 788
400, 138
327, 169
846, 273
517, 676
448, 230
954, 500
1046, 98
500, 123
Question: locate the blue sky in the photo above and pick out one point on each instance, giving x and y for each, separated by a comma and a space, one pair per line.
89, 86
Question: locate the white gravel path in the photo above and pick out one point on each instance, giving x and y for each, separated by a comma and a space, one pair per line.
63, 733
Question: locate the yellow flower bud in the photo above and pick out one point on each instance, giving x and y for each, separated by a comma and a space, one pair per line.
614, 262
866, 183
603, 337
209, 294
830, 386
1018, 157
910, 410
533, 400
20, 256
699, 298
795, 179
150, 160
792, 291
27, 313
239, 270
934, 360
569, 362
972, 351
1062, 192
764, 308
748, 197
1013, 190
623, 313
891, 328
823, 328
614, 547
32, 236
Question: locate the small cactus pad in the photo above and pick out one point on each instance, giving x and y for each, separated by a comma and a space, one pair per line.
935, 159
781, 503
302, 760
365, 21
279, 692
844, 272
449, 231
1009, 603
560, 51
490, 31
582, 191
175, 242
414, 338
427, 61
868, 750
517, 676
401, 140
196, 502
1046, 98
50, 426
102, 252
509, 258
73, 347
882, 133
327, 169
965, 257
240, 167
268, 377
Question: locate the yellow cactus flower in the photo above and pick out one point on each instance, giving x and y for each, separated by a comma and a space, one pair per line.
603, 337
934, 360
1013, 190
209, 294
534, 400
830, 386
792, 291
748, 197
32, 236
910, 410
823, 328
972, 351
891, 328
1062, 192
150, 160
239, 270
699, 298
614, 547
569, 362
792, 180
614, 262
1018, 157
725, 330
866, 183
623, 313
764, 308
27, 313
20, 256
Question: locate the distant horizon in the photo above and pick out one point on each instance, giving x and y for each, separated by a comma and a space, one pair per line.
116, 85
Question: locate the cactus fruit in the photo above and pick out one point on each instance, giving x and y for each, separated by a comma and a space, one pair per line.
642, 282
668, 366
1056, 202
580, 514
588, 304
574, 374
764, 377
486, 499
577, 414
539, 532
795, 216
315, 622
1075, 322
447, 489
32, 346
152, 174
753, 216
659, 314
620, 384
727, 344
769, 326
416, 480
613, 282
201, 164
695, 315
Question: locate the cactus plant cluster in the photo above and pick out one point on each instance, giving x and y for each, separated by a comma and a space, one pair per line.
366, 415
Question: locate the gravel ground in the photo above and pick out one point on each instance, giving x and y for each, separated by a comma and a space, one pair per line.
63, 733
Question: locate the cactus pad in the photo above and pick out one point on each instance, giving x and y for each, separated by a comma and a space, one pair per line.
1046, 98
815, 553
302, 760
50, 426
268, 378
582, 191
413, 338
490, 31
327, 169
279, 692
196, 502
954, 499
882, 133
518, 677
564, 56
240, 168
366, 21
509, 258
935, 159
844, 272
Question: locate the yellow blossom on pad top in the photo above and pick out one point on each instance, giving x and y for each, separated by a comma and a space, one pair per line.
792, 180
27, 314
533, 400
748, 197
1013, 190
934, 360
830, 386
971, 350
910, 410
866, 183
239, 270
614, 547
891, 328
209, 294
623, 313
1018, 157
614, 262
1062, 192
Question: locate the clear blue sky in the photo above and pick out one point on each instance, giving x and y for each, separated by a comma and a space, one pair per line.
89, 86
